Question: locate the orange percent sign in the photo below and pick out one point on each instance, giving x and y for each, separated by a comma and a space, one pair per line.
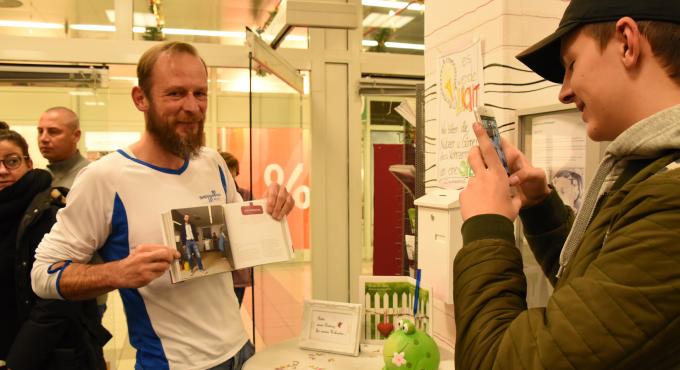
300, 193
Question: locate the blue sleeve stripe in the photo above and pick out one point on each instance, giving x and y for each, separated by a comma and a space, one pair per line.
117, 245
59, 270
224, 181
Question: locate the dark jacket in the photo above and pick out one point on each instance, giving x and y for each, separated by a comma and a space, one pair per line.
53, 334
617, 304
183, 232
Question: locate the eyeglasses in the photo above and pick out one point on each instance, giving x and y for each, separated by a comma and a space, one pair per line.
13, 161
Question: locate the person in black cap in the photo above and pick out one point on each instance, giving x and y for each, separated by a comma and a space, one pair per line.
615, 266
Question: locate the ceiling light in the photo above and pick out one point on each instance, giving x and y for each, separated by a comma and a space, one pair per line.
137, 29
394, 45
392, 4
26, 24
93, 27
386, 21
403, 45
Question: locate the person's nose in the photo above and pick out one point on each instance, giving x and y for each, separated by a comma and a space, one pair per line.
191, 104
43, 137
3, 169
566, 94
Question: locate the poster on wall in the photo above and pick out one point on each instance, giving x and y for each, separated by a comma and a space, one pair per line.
459, 89
558, 145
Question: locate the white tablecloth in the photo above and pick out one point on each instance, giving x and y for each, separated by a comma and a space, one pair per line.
287, 356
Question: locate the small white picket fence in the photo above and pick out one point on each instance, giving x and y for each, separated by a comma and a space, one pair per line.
378, 307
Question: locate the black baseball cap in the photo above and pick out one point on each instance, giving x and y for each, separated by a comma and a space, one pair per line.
544, 56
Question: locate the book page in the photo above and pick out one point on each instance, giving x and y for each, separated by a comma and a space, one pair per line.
255, 236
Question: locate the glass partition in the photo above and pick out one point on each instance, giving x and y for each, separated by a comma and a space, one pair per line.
265, 124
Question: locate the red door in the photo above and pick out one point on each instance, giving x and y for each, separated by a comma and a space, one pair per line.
388, 201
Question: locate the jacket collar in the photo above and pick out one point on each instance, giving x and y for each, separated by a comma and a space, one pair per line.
66, 164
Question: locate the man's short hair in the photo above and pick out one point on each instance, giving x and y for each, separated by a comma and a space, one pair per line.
72, 118
663, 37
149, 58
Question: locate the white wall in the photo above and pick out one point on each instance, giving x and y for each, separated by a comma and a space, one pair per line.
505, 27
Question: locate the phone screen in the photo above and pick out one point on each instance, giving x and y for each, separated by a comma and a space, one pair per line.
489, 124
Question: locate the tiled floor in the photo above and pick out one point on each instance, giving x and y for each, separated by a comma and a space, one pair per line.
280, 290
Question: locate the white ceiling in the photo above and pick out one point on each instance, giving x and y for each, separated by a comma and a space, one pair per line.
220, 15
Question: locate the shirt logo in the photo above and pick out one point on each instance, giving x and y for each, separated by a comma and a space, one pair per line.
213, 196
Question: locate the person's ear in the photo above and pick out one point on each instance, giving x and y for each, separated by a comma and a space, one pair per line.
76, 135
630, 41
139, 99
29, 163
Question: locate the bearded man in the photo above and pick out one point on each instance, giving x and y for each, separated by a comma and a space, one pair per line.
114, 209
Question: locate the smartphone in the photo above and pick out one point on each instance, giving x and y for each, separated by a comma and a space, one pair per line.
486, 117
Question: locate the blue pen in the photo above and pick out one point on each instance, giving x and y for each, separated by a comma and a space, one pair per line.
415, 303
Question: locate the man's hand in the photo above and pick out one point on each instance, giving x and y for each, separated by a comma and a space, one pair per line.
279, 202
145, 263
488, 192
530, 182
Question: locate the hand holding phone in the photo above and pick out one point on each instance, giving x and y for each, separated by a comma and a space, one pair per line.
486, 117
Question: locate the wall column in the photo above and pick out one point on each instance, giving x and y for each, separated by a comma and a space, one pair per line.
336, 195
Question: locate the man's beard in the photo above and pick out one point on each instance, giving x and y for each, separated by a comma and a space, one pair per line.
186, 146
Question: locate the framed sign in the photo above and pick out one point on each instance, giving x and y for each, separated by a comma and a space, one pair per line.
331, 327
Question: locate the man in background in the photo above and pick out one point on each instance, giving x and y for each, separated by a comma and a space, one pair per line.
58, 136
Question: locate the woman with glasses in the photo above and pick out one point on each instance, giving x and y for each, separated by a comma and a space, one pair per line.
35, 333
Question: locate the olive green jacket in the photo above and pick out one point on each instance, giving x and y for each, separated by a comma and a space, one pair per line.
617, 304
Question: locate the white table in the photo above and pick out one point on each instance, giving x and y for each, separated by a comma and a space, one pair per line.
288, 356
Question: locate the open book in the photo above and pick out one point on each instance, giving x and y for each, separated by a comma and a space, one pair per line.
225, 237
